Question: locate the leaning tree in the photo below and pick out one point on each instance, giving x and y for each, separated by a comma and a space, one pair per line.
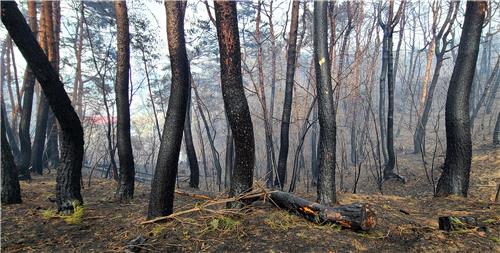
233, 93
69, 170
161, 198
456, 168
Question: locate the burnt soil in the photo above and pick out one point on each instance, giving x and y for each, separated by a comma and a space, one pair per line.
407, 219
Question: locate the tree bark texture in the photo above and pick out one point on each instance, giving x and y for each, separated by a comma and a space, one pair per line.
162, 187
235, 102
456, 168
326, 109
124, 144
69, 169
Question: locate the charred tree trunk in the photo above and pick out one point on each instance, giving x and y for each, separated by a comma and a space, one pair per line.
456, 169
29, 89
69, 170
314, 146
355, 216
125, 189
496, 132
326, 107
11, 191
194, 175
287, 104
235, 102
161, 199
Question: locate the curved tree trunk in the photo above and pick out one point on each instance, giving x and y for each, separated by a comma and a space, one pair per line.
496, 132
287, 104
235, 102
326, 109
11, 191
456, 169
69, 170
125, 189
161, 199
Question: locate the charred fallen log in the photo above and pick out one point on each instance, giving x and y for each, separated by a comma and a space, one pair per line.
355, 216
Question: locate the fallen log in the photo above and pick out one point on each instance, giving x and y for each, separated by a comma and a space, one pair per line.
355, 216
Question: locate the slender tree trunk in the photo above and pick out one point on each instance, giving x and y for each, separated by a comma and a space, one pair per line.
456, 169
43, 108
161, 199
11, 191
125, 188
287, 104
235, 102
326, 109
269, 180
69, 170
29, 88
314, 146
194, 175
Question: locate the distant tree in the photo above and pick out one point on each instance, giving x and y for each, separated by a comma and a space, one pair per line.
496, 132
326, 107
287, 104
161, 199
456, 168
43, 108
194, 175
29, 88
235, 102
126, 157
70, 166
11, 191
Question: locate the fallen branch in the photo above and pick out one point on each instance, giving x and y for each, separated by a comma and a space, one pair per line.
353, 216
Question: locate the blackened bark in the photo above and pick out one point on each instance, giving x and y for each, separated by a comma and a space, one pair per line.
40, 132
456, 168
326, 111
235, 102
161, 199
314, 147
287, 104
11, 191
69, 170
194, 169
496, 132
125, 188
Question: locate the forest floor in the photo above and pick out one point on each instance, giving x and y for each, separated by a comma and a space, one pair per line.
407, 220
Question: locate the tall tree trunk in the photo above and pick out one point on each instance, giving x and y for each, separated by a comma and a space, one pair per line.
69, 170
287, 104
29, 88
326, 109
43, 107
269, 180
125, 188
11, 191
194, 175
456, 169
161, 199
52, 149
314, 146
235, 102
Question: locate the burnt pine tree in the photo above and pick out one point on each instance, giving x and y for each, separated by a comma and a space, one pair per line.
287, 104
326, 109
11, 191
235, 102
456, 168
70, 166
194, 175
42, 114
161, 199
29, 88
126, 157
